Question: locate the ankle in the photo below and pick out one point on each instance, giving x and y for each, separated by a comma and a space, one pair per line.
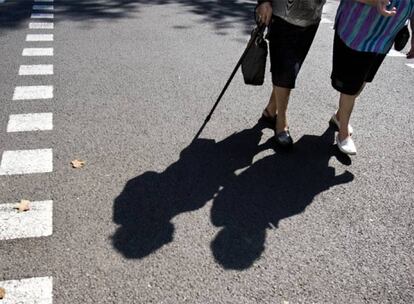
280, 127
343, 135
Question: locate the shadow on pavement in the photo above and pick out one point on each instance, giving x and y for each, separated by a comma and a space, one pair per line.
245, 205
222, 14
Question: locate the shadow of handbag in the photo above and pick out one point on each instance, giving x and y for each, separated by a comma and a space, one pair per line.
254, 64
402, 38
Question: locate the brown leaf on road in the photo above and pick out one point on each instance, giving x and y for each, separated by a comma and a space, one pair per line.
23, 206
2, 293
77, 163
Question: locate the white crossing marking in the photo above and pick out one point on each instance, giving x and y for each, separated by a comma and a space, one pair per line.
410, 65
28, 291
41, 25
38, 52
327, 21
33, 92
36, 222
38, 69
394, 53
41, 16
30, 122
39, 37
43, 7
26, 162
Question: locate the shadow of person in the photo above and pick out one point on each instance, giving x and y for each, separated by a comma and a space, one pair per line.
245, 205
148, 202
276, 187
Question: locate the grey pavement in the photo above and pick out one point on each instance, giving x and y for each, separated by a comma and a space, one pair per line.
156, 218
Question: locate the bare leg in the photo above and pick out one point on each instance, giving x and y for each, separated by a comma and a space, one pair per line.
282, 100
343, 115
271, 107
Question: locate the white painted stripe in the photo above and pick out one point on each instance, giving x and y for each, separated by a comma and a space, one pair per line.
41, 16
43, 7
33, 92
39, 37
28, 291
36, 222
26, 162
394, 53
30, 122
325, 20
410, 65
38, 52
38, 69
41, 25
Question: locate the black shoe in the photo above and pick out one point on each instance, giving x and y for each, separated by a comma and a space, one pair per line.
284, 139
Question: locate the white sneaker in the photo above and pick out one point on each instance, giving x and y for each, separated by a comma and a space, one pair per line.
346, 146
335, 121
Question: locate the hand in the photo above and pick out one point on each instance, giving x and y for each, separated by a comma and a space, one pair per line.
264, 13
382, 8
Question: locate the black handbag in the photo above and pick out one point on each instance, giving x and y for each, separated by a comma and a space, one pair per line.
254, 63
402, 38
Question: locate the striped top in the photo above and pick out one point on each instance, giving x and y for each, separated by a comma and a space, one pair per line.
363, 29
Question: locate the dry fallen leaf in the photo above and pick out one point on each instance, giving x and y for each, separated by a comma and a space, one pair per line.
2, 293
77, 163
23, 206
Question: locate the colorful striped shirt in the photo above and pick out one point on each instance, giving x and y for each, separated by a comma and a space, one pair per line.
362, 28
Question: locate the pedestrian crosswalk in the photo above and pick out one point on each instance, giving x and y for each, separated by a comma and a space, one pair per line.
38, 52
25, 291
43, 7
39, 37
37, 69
41, 25
30, 122
17, 225
42, 16
33, 92
38, 220
26, 162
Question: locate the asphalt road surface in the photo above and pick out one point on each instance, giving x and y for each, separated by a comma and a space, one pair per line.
155, 217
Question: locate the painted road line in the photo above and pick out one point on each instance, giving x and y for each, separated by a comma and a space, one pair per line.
394, 53
30, 122
325, 20
41, 25
38, 52
33, 92
28, 291
36, 222
41, 16
39, 37
26, 162
43, 7
38, 69
410, 65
